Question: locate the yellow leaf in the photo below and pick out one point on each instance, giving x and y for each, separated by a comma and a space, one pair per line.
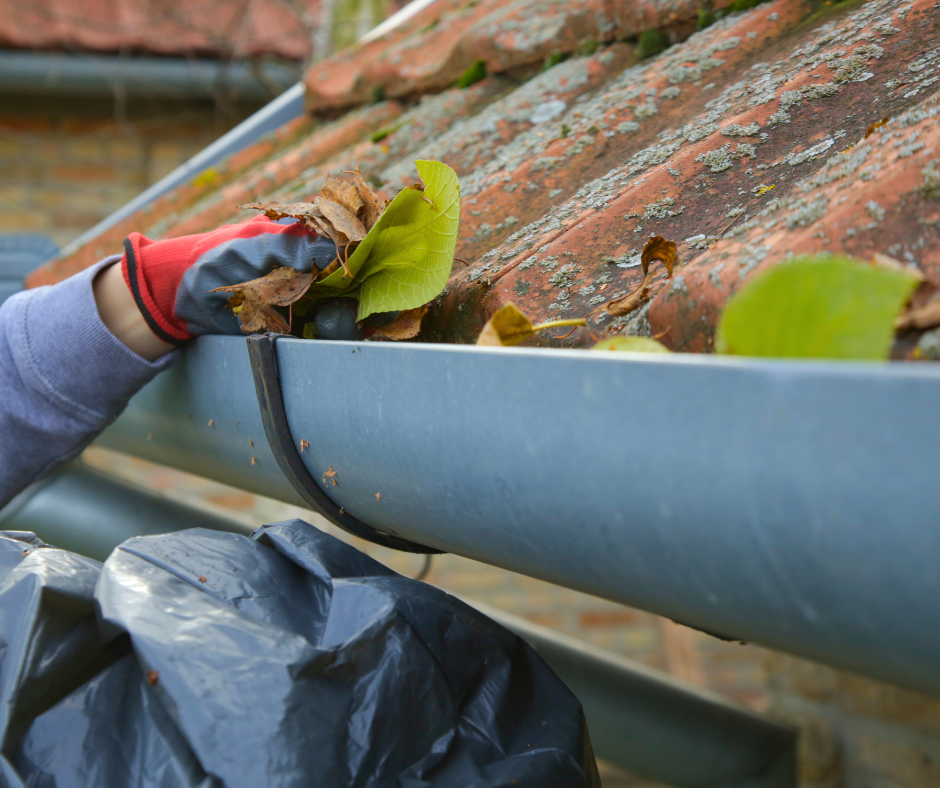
632, 345
508, 326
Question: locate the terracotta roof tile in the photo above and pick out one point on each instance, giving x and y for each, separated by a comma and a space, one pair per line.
239, 28
744, 143
437, 45
874, 196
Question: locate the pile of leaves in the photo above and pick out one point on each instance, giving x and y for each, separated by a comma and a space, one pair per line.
392, 256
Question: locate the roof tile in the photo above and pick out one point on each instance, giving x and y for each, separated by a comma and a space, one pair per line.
743, 143
239, 28
437, 45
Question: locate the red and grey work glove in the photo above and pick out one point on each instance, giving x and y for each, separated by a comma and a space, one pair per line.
172, 280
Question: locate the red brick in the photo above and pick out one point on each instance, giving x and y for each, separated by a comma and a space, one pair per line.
85, 173
606, 618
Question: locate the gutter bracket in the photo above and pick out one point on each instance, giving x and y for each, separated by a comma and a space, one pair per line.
264, 367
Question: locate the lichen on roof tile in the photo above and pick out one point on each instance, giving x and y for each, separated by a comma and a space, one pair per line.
742, 143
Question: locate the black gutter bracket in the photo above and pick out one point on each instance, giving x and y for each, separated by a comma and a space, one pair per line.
263, 356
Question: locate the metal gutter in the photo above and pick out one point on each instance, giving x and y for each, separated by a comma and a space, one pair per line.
660, 728
788, 504
86, 511
176, 78
639, 718
20, 253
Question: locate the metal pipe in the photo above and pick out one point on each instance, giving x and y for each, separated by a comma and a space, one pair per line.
20, 253
638, 718
89, 76
86, 511
789, 504
650, 723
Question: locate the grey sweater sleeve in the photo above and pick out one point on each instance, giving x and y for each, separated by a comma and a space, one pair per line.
63, 378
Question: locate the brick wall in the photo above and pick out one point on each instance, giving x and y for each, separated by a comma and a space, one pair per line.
66, 164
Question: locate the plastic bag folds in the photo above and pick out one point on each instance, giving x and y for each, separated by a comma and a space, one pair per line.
205, 659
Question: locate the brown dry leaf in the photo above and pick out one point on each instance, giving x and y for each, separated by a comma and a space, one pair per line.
926, 314
258, 317
626, 304
507, 327
323, 226
334, 266
282, 286
923, 317
343, 192
658, 248
342, 219
253, 301
305, 211
372, 206
406, 326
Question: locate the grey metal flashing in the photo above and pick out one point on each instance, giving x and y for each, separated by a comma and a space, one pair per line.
788, 504
176, 78
86, 511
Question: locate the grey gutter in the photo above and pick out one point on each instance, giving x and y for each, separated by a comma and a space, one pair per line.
20, 253
86, 511
656, 726
104, 76
638, 718
788, 504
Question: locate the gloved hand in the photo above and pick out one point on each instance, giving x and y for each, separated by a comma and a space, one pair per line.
171, 280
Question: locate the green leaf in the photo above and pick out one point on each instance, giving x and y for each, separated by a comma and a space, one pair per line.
831, 307
631, 345
475, 73
405, 259
651, 42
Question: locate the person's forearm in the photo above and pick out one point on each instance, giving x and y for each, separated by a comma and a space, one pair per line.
121, 317
63, 375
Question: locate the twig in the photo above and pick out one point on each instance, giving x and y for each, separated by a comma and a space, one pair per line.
565, 336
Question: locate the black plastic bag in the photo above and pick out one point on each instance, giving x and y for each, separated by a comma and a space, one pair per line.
205, 659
